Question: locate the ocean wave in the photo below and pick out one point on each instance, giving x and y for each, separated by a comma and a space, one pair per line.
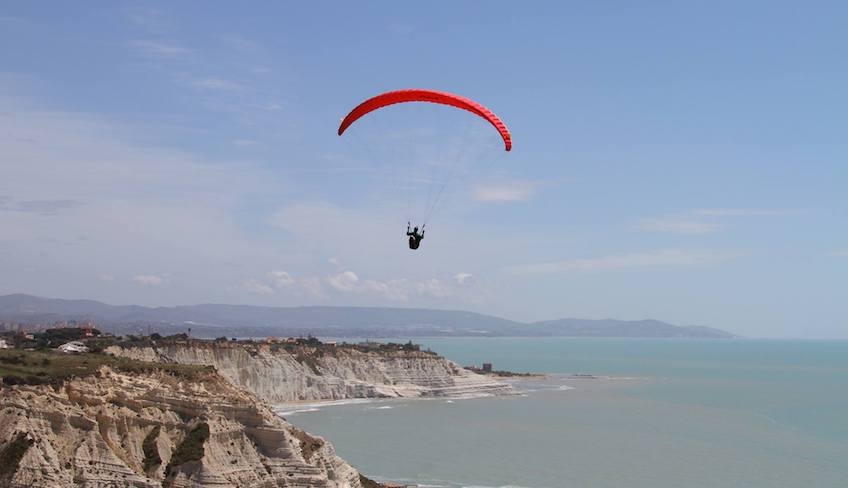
294, 408
283, 413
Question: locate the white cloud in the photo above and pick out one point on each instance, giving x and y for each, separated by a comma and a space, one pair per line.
345, 281
839, 254
349, 283
105, 277
504, 192
121, 197
463, 278
257, 288
433, 288
280, 279
148, 280
666, 258
312, 286
677, 226
333, 261
396, 290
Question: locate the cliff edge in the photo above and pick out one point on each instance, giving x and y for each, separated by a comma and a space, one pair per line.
280, 374
148, 427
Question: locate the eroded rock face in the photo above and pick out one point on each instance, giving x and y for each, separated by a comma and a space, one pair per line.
155, 430
280, 376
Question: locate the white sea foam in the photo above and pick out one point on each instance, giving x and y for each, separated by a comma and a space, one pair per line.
292, 412
437, 483
294, 408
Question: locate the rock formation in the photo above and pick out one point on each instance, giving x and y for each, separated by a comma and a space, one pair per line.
154, 429
279, 375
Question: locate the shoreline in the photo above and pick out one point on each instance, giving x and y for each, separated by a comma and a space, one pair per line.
301, 406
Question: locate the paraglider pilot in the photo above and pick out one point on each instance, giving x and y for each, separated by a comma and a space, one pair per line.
414, 236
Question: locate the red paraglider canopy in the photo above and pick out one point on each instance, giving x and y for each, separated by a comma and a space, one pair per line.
431, 96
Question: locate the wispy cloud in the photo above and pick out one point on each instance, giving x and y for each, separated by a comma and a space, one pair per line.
700, 221
280, 279
245, 143
312, 286
740, 212
256, 288
463, 278
515, 191
148, 280
272, 282
215, 84
348, 283
839, 254
242, 44
395, 290
344, 281
433, 288
120, 197
677, 226
152, 20
400, 29
158, 49
664, 258
41, 207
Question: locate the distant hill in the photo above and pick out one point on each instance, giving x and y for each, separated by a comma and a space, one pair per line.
212, 320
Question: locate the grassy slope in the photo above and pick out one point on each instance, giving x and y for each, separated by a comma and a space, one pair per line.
50, 367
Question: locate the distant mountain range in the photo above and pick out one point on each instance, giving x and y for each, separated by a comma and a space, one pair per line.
213, 320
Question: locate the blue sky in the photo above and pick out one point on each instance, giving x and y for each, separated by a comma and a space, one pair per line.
679, 161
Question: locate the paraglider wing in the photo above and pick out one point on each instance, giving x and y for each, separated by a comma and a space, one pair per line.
431, 96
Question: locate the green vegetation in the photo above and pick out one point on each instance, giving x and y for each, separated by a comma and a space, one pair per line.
34, 359
504, 374
53, 367
10, 456
49, 338
191, 448
151, 453
309, 360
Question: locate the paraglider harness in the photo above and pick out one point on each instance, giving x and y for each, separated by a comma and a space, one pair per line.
414, 236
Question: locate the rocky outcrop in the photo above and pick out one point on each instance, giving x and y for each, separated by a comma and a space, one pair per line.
153, 429
280, 375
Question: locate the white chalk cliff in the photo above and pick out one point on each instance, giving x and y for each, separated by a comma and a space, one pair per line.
278, 375
153, 429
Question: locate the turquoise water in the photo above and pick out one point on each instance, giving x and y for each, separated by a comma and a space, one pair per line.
673, 413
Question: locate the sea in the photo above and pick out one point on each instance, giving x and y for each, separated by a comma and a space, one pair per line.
634, 413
